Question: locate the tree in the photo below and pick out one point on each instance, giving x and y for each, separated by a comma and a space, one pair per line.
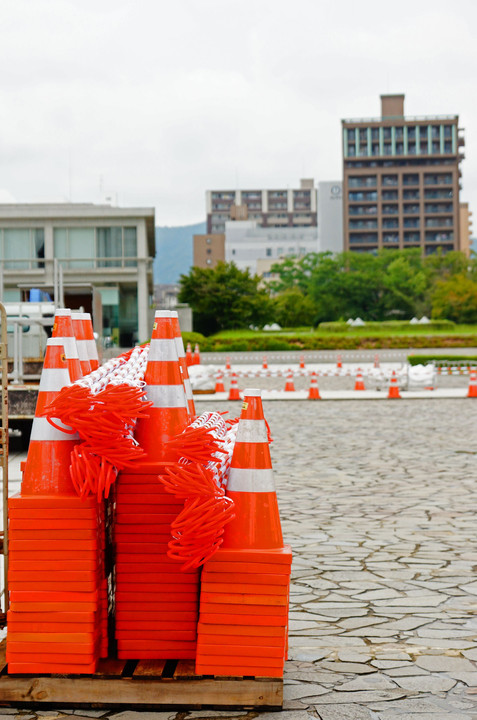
455, 299
293, 309
224, 297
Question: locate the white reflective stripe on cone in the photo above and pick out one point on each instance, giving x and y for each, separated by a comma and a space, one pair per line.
43, 430
163, 350
252, 431
71, 348
82, 349
188, 389
54, 379
92, 349
167, 396
250, 480
180, 347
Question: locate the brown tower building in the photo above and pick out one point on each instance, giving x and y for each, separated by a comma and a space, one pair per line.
401, 180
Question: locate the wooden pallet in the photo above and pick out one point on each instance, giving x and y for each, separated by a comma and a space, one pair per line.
140, 684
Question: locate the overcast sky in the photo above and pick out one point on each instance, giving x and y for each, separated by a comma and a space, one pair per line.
153, 102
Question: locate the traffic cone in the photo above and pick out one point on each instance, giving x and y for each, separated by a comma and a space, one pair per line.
472, 392
164, 388
376, 361
251, 485
63, 330
189, 358
47, 465
182, 362
79, 330
227, 364
289, 385
234, 392
196, 357
264, 363
394, 393
314, 393
339, 364
219, 383
92, 347
359, 384
302, 362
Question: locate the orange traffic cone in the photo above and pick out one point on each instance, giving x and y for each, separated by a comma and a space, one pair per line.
251, 485
63, 330
302, 362
289, 385
394, 393
359, 384
196, 358
234, 392
79, 330
189, 358
227, 364
339, 364
219, 383
92, 348
314, 393
164, 388
182, 362
48, 460
376, 361
472, 392
265, 363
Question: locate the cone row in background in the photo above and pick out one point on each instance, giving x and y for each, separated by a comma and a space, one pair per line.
359, 384
234, 392
243, 624
393, 392
302, 362
156, 603
219, 383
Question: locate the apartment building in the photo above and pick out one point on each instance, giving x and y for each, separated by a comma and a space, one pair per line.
269, 208
401, 180
98, 256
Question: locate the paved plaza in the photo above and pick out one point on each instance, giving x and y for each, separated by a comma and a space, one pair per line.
378, 501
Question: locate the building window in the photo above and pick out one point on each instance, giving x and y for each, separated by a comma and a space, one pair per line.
268, 252
209, 251
410, 179
22, 248
233, 251
389, 180
96, 247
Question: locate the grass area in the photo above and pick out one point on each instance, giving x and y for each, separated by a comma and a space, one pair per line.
369, 330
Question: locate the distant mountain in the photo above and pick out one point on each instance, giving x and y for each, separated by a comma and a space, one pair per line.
174, 252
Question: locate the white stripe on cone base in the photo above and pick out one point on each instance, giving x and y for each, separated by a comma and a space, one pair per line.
54, 379
92, 349
188, 389
82, 350
250, 480
180, 347
43, 430
167, 396
251, 431
163, 350
71, 349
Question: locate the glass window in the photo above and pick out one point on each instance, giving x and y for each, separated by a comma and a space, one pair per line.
82, 246
268, 252
17, 247
389, 180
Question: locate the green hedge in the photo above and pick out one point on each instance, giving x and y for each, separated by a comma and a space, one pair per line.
442, 359
387, 325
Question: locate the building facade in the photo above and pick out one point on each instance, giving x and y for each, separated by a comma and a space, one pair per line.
98, 256
268, 208
401, 180
208, 250
465, 223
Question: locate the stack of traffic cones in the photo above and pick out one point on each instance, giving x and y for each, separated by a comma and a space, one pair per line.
182, 362
234, 392
245, 586
472, 391
80, 329
56, 621
393, 393
289, 385
359, 384
314, 393
156, 603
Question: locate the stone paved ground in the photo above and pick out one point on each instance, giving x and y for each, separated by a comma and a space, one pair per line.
378, 502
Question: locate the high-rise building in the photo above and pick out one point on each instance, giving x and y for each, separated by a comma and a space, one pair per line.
465, 228
270, 208
330, 216
401, 180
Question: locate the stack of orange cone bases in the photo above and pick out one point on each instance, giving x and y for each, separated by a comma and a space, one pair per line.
57, 621
243, 622
156, 603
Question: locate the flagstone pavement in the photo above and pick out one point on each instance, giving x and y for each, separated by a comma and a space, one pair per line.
378, 501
